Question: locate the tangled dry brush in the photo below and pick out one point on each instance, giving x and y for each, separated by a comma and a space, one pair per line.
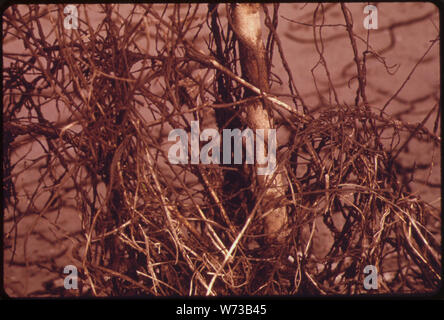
153, 228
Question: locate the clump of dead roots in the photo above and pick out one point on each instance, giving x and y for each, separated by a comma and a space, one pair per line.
153, 228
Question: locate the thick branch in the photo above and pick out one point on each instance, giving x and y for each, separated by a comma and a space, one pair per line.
247, 26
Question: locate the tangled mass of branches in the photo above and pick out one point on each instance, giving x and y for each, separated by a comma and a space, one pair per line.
89, 111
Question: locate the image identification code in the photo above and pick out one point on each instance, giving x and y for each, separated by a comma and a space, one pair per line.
242, 309
222, 309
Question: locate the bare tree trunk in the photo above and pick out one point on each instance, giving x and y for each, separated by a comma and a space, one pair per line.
253, 57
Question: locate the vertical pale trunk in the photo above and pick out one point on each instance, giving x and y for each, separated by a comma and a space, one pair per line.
247, 26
